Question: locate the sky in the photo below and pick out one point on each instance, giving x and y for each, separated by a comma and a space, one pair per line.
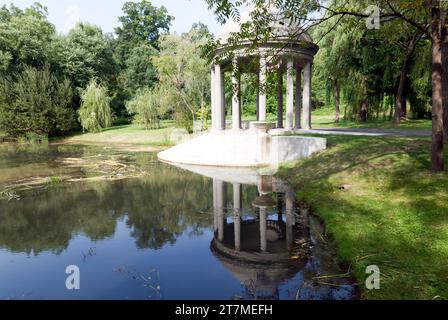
64, 14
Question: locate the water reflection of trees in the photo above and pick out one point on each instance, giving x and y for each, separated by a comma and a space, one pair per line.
159, 207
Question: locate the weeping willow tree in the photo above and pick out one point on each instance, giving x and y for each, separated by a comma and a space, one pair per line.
95, 112
184, 76
369, 72
145, 108
334, 70
420, 86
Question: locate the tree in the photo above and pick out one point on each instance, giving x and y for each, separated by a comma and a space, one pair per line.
87, 53
136, 43
142, 23
95, 113
400, 110
358, 61
145, 107
140, 72
25, 38
435, 9
5, 60
335, 60
183, 76
35, 101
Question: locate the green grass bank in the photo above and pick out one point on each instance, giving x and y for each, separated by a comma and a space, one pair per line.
324, 118
128, 135
383, 207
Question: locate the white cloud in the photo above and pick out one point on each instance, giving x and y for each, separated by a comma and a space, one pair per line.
73, 16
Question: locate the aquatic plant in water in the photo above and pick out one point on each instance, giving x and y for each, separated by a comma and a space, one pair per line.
151, 280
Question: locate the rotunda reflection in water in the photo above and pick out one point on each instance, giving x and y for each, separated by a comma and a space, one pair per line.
265, 247
272, 245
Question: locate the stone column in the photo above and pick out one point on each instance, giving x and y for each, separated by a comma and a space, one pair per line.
237, 205
289, 219
240, 100
220, 100
222, 109
264, 141
212, 95
263, 229
220, 204
290, 96
257, 98
215, 205
280, 98
307, 96
217, 97
236, 111
262, 92
298, 97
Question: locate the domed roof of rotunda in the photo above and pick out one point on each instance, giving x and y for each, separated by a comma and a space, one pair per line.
282, 27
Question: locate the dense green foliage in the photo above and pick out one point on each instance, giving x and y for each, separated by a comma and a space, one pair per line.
365, 65
95, 113
184, 77
141, 23
86, 53
26, 37
122, 64
137, 42
140, 71
35, 102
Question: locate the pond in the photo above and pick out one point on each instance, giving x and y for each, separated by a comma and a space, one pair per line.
140, 229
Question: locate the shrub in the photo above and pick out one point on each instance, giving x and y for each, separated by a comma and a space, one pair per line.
204, 114
95, 112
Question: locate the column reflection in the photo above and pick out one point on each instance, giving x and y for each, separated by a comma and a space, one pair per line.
257, 246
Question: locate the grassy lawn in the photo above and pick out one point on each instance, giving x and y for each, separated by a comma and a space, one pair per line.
392, 213
324, 118
128, 134
269, 117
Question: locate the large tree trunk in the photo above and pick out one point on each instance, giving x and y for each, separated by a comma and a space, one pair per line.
404, 100
363, 113
400, 109
445, 70
337, 101
400, 105
437, 163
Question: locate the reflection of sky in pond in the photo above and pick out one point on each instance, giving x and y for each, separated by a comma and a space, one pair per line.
145, 237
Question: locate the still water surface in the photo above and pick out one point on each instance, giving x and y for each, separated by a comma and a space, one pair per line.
141, 229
